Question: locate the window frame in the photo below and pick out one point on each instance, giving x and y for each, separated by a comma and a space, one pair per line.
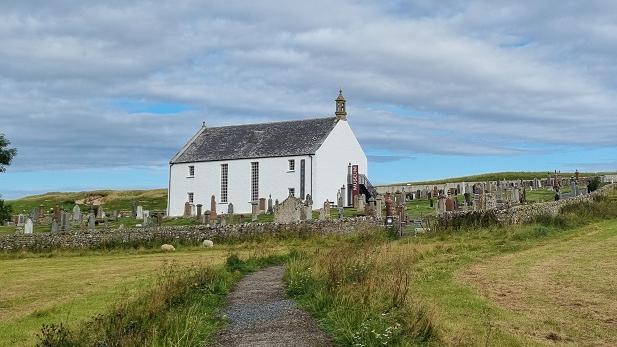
191, 197
291, 165
254, 181
291, 192
191, 173
224, 183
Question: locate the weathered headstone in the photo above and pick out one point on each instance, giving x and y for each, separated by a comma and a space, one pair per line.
379, 207
230, 209
360, 203
254, 211
134, 210
270, 206
341, 212
326, 208
139, 212
491, 201
449, 204
92, 221
56, 212
389, 205
308, 209
289, 211
28, 226
339, 199
262, 205
64, 221
76, 214
21, 220
187, 209
54, 226
199, 206
322, 214
441, 204
213, 213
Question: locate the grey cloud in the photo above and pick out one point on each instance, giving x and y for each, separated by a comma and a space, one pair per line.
480, 78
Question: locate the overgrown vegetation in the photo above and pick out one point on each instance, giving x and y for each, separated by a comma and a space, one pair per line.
359, 293
179, 309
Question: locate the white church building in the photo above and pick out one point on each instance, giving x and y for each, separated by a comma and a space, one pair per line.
241, 164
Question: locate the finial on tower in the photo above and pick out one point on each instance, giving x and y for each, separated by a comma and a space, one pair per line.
340, 113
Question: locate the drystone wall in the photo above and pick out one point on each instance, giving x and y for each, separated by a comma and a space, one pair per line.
525, 213
181, 234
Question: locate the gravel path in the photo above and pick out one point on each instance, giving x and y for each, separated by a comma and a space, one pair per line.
261, 315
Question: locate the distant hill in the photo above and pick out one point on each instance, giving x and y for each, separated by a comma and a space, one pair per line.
497, 176
155, 199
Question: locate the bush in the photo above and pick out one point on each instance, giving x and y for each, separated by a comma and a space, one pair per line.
594, 184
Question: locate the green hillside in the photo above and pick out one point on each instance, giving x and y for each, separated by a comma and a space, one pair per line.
155, 199
498, 176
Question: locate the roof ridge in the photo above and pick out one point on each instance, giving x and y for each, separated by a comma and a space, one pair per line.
268, 123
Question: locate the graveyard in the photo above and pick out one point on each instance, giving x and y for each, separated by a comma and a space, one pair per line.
448, 281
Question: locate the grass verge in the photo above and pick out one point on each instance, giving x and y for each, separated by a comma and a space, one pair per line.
178, 310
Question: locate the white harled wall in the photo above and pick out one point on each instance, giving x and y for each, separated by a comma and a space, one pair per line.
331, 161
274, 178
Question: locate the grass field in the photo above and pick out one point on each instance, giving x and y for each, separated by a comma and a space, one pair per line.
155, 199
70, 287
534, 284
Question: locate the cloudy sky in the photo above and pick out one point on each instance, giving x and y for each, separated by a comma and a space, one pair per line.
101, 96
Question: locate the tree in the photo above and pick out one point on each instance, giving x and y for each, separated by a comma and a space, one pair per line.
5, 212
6, 154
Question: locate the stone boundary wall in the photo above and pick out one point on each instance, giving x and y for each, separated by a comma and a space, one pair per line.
182, 234
525, 213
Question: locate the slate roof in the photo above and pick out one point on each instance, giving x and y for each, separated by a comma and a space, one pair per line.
290, 138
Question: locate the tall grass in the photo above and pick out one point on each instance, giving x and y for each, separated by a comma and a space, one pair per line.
179, 310
581, 213
359, 293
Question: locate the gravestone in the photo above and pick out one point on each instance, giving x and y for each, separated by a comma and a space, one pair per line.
56, 212
76, 214
307, 213
54, 226
28, 226
21, 220
341, 212
322, 214
378, 207
370, 207
360, 204
343, 196
389, 205
99, 212
223, 220
187, 209
92, 221
64, 221
326, 208
491, 201
199, 206
254, 211
213, 213
449, 204
34, 215
205, 219
270, 206
140, 212
289, 211
276, 203
230, 209
339, 199
134, 210
441, 204
146, 222
262, 205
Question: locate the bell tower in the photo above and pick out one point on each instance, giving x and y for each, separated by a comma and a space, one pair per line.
340, 113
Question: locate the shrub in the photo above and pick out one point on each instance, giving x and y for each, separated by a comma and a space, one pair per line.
594, 184
5, 212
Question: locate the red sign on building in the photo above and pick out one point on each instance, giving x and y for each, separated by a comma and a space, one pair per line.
355, 183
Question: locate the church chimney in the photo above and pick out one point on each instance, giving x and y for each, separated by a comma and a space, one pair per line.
340, 113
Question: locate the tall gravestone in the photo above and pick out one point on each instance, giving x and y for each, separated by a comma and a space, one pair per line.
230, 209
140, 212
187, 209
199, 206
270, 207
262, 205
254, 211
54, 227
213, 213
28, 226
76, 214
91, 221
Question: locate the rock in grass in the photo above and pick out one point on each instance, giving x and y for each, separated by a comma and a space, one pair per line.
167, 248
207, 243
